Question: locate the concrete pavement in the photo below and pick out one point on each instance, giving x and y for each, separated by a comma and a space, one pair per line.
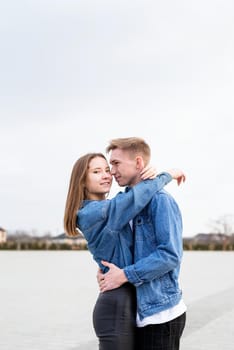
209, 324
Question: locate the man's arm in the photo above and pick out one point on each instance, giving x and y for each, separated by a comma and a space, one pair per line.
167, 229
163, 259
112, 279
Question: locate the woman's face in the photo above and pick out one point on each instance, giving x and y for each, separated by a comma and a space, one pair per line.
99, 179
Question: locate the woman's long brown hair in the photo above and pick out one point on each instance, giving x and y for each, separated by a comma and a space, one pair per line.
76, 192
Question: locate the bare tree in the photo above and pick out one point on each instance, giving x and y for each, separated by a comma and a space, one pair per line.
224, 224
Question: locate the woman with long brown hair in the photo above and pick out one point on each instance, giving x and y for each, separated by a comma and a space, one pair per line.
105, 225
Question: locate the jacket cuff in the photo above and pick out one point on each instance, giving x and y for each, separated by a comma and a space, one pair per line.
132, 276
169, 178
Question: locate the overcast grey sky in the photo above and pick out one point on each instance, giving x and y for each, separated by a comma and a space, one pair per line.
75, 74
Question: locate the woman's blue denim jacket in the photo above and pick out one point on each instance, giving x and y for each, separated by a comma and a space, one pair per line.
158, 253
105, 223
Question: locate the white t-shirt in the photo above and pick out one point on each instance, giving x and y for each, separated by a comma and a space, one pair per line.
163, 316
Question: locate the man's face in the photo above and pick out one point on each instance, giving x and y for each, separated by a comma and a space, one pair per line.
124, 167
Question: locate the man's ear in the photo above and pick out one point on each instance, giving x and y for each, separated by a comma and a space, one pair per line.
140, 163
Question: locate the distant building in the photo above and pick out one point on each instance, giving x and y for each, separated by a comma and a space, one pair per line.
206, 238
79, 240
209, 241
3, 235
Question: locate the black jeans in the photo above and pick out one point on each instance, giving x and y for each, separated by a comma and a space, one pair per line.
114, 318
164, 336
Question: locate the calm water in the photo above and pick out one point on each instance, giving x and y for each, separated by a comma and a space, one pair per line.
46, 298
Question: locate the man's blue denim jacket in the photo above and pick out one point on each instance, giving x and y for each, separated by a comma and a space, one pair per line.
105, 223
158, 254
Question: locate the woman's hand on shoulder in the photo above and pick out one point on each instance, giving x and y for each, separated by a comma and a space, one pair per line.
149, 172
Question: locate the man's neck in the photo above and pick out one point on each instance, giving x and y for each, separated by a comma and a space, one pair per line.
135, 181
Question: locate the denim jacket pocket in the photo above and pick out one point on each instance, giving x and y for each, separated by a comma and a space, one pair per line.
144, 230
